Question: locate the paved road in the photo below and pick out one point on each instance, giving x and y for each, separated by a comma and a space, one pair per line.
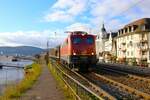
45, 88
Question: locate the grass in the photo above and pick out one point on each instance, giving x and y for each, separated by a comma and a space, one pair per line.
67, 92
32, 72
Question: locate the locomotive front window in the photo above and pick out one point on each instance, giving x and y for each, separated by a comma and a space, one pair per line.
90, 40
77, 40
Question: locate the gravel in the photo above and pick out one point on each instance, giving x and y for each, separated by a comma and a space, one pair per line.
145, 71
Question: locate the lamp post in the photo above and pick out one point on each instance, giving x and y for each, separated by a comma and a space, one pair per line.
47, 53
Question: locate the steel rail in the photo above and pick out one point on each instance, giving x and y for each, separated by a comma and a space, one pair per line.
74, 93
139, 83
128, 74
125, 69
79, 84
94, 87
125, 87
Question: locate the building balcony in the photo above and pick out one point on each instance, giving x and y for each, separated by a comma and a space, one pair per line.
144, 48
123, 43
143, 40
144, 57
123, 49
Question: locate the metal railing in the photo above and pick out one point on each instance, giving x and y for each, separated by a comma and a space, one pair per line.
80, 92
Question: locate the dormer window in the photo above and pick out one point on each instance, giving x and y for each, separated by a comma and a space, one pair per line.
135, 27
126, 30
143, 27
121, 31
129, 29
147, 26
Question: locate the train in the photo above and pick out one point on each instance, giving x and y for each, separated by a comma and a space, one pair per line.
78, 51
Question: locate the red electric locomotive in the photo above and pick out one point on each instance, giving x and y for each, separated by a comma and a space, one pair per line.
78, 50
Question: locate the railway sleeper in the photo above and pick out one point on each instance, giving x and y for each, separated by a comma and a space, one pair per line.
126, 88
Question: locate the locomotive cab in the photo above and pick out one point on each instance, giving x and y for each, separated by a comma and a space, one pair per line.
78, 50
83, 53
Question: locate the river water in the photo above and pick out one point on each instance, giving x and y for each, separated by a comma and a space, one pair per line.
10, 76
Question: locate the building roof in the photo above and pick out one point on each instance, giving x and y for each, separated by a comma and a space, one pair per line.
113, 34
141, 25
141, 21
103, 28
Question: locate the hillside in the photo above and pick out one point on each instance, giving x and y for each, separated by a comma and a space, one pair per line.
20, 50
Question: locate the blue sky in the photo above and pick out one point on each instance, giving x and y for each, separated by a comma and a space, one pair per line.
33, 22
23, 14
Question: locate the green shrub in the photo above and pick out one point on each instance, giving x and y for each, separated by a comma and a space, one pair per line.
32, 72
67, 92
133, 60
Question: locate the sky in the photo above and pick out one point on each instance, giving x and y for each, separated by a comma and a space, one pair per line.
34, 22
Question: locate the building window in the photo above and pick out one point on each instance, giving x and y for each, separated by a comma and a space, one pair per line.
135, 27
147, 27
128, 53
143, 27
143, 53
126, 30
131, 53
129, 28
131, 44
127, 45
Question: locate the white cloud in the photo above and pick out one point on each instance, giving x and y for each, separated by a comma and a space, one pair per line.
116, 13
30, 38
79, 27
65, 10
110, 8
63, 4
57, 16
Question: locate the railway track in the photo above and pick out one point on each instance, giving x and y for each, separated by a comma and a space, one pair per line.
138, 71
109, 86
124, 72
118, 90
137, 82
90, 86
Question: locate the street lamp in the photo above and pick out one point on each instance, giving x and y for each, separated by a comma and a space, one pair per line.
47, 53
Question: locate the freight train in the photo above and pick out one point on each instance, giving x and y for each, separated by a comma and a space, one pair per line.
78, 50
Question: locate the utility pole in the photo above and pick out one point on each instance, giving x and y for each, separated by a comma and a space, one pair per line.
47, 54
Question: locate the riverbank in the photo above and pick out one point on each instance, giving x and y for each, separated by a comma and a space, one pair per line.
32, 73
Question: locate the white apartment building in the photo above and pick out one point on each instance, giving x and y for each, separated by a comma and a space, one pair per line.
133, 41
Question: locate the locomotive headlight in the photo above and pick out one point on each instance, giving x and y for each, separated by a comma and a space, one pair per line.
92, 53
74, 53
82, 34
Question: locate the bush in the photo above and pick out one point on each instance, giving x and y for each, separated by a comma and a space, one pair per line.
143, 63
133, 60
113, 58
32, 72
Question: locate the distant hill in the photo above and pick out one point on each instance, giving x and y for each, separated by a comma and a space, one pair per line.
20, 50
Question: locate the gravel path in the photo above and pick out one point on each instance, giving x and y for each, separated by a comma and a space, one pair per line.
44, 89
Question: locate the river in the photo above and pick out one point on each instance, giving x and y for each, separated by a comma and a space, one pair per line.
10, 76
